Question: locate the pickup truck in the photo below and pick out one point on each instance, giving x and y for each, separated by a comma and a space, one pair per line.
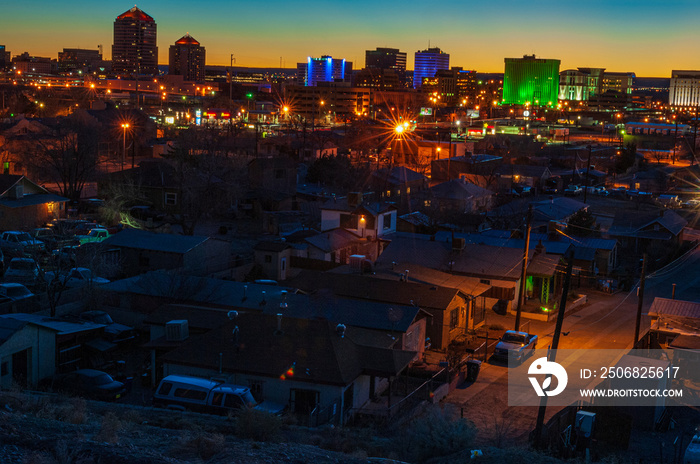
14, 243
183, 392
515, 346
51, 239
95, 235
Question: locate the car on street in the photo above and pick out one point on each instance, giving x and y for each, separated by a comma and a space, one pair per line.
91, 384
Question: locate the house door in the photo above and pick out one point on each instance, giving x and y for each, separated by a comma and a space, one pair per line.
20, 368
303, 402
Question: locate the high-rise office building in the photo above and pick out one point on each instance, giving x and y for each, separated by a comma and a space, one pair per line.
187, 59
3, 60
531, 80
324, 69
427, 63
387, 58
135, 50
684, 89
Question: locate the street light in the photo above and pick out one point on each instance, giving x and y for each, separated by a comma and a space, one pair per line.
125, 126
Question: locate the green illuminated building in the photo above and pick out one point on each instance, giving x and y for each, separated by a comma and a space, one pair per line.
531, 80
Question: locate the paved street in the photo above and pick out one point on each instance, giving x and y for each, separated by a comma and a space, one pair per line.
606, 322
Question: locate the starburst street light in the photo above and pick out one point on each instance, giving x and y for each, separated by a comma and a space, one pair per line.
125, 127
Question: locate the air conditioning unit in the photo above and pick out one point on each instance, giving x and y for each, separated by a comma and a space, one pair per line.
458, 244
176, 331
356, 262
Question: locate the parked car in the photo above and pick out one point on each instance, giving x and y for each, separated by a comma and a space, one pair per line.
75, 278
515, 346
14, 291
573, 190
23, 271
90, 383
181, 392
114, 332
66, 256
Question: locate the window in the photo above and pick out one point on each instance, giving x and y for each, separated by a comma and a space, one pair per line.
233, 401
216, 398
454, 318
190, 394
485, 281
170, 199
268, 258
256, 389
348, 221
387, 221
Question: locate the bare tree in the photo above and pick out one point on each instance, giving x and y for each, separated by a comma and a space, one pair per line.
69, 159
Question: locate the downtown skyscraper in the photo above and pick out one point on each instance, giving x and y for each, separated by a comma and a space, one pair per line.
135, 50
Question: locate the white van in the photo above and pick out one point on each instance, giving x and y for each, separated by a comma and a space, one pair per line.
182, 392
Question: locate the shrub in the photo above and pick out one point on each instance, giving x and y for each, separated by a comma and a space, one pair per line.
109, 429
257, 425
434, 435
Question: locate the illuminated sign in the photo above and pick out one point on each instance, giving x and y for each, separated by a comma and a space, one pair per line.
169, 120
426, 111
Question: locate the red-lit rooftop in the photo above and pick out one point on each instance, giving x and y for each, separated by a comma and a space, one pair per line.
187, 40
136, 14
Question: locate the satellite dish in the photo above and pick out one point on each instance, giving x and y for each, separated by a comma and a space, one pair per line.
232, 315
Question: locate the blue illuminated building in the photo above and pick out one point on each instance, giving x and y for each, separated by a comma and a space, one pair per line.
427, 63
324, 69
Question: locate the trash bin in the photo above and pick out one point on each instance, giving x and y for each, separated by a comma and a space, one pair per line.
473, 367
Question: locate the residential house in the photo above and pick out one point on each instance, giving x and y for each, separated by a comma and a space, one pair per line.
38, 346
25, 205
156, 181
509, 175
143, 251
273, 258
557, 210
478, 169
675, 325
321, 369
460, 196
450, 311
639, 229
497, 267
398, 183
22, 362
365, 219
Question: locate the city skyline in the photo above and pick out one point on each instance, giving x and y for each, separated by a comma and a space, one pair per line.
648, 38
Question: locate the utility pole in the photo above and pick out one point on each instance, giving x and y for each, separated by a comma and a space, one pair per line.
230, 79
588, 168
555, 340
523, 272
640, 301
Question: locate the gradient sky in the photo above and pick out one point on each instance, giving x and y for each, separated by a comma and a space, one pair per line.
649, 38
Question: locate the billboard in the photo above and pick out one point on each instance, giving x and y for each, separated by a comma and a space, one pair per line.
426, 111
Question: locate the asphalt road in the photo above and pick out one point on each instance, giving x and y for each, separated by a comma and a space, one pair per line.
607, 322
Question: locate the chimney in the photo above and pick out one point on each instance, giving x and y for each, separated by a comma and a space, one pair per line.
354, 199
245, 293
279, 324
263, 302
